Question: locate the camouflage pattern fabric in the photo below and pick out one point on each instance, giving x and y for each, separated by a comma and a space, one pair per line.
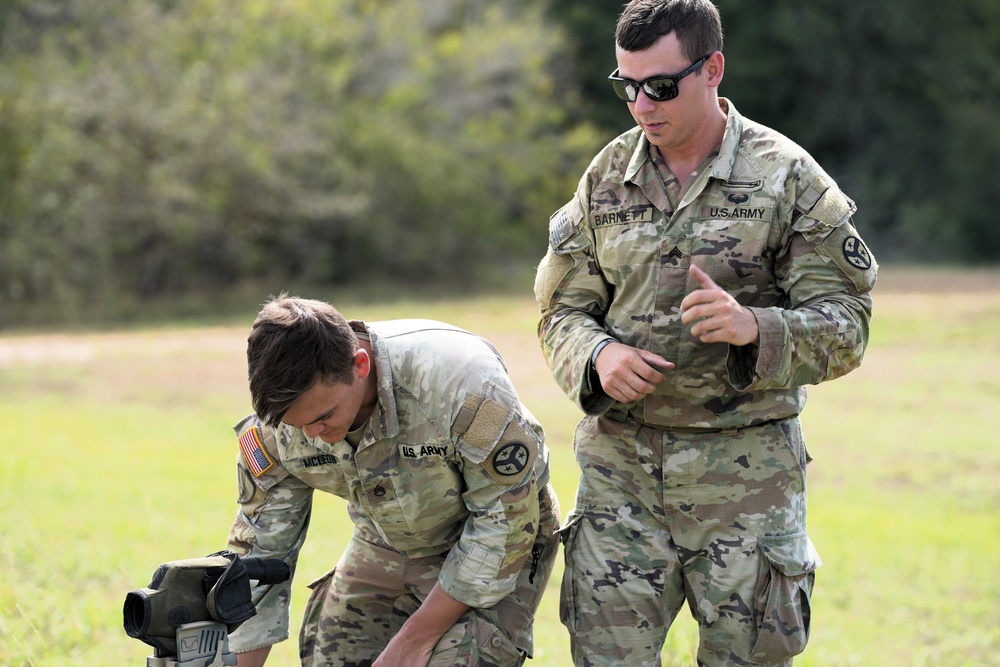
769, 227
716, 520
697, 491
356, 608
450, 465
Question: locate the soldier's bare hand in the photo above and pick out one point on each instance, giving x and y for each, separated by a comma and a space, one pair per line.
715, 314
399, 653
628, 373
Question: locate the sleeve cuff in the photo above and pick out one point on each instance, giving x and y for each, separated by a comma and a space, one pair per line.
751, 364
270, 624
593, 400
472, 579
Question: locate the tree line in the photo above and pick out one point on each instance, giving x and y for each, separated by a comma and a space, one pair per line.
171, 147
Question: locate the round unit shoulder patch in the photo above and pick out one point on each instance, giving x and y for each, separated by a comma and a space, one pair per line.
856, 253
511, 459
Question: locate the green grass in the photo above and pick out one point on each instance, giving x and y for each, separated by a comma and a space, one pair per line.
118, 456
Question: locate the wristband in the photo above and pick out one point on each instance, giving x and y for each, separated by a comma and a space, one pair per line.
597, 350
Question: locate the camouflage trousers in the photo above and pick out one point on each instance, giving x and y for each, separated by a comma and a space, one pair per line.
717, 520
356, 608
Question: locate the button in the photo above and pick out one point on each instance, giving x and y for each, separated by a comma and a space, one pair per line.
496, 641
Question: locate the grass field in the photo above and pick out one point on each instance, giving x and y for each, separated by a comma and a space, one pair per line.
117, 455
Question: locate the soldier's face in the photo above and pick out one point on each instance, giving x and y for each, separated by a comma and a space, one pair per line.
675, 123
329, 410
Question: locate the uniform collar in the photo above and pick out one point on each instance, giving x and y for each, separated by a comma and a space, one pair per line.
721, 168
384, 421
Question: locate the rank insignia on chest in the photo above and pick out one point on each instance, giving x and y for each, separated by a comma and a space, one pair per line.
253, 450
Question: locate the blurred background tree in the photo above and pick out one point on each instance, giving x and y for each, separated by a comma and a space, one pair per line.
166, 149
158, 149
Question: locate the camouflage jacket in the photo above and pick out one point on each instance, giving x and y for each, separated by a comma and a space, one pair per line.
764, 221
449, 463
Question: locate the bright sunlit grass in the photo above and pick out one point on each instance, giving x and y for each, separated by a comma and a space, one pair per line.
118, 456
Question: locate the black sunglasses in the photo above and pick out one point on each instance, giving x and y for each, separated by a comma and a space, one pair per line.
657, 88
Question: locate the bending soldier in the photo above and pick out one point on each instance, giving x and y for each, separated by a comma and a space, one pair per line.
445, 473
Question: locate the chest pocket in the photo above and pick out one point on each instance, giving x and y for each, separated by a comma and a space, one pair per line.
734, 239
411, 491
627, 229
323, 468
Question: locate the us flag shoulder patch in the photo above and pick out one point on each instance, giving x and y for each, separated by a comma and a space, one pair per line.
254, 452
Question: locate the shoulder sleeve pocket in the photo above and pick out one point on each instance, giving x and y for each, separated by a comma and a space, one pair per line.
824, 220
258, 458
493, 435
566, 232
566, 239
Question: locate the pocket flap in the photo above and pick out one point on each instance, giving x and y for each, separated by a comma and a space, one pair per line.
792, 555
567, 529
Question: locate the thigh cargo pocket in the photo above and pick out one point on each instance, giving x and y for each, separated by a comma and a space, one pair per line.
476, 641
567, 589
309, 633
781, 601
494, 646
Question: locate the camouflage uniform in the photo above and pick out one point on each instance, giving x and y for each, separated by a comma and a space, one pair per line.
697, 491
448, 483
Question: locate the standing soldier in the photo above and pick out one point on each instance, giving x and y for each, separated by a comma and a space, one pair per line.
445, 472
706, 270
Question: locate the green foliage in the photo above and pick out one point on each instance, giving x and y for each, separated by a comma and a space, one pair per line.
167, 148
898, 101
159, 150
590, 27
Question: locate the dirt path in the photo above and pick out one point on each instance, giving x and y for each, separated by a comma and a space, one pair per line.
181, 364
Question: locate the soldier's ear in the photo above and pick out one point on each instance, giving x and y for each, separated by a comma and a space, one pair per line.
362, 363
714, 68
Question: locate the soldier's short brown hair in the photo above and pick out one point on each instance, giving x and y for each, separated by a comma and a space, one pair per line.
696, 23
294, 343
